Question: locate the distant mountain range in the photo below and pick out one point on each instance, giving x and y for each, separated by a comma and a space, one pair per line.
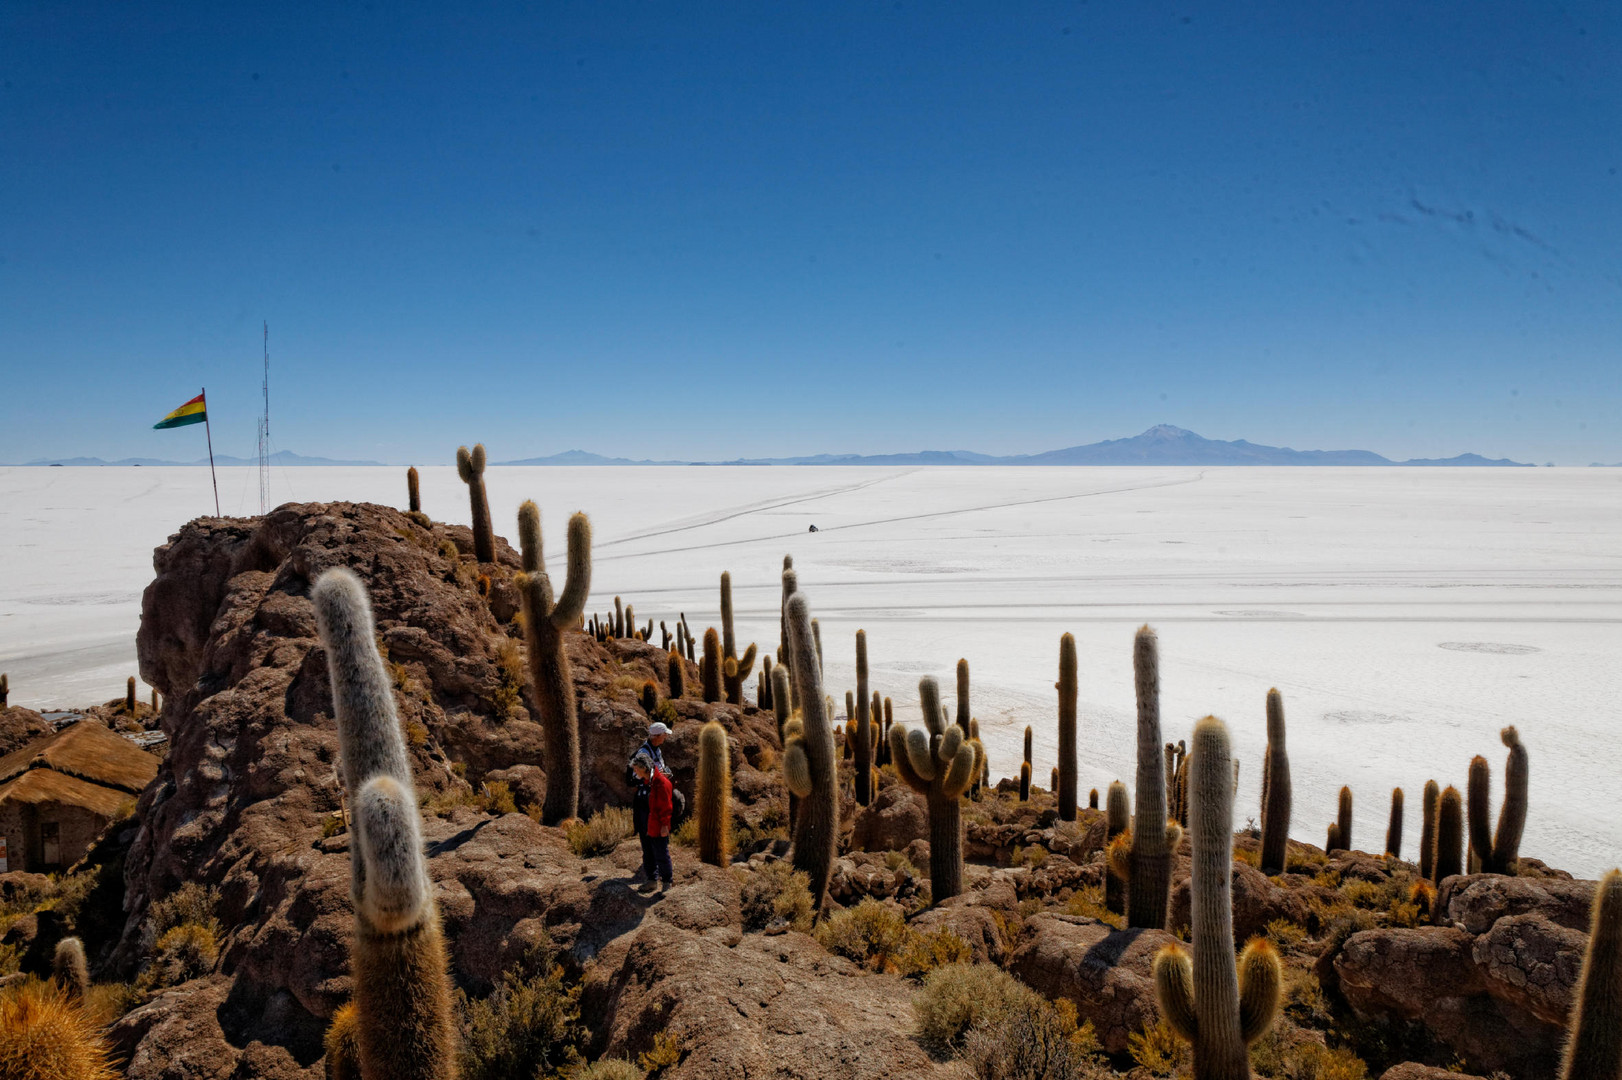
280, 457
1162, 444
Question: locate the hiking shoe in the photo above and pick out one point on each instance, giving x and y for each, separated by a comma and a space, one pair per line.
645, 888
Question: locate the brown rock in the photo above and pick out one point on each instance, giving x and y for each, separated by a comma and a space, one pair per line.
894, 819
20, 726
1107, 973
1530, 963
1477, 901
1257, 901
1413, 1070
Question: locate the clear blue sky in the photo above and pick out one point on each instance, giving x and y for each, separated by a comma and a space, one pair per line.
706, 230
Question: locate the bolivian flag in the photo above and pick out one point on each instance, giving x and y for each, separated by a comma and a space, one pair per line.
194, 411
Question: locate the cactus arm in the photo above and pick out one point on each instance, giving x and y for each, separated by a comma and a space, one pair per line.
780, 701
797, 769
729, 640
529, 536
1119, 856
918, 755
950, 743
572, 604
901, 755
1449, 857
464, 465
959, 772
1506, 844
816, 828
1344, 819
746, 663
1174, 990
395, 891
1261, 974
963, 695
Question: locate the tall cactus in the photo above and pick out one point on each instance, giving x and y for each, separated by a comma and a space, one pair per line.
939, 761
402, 993
864, 726
1448, 858
129, 695
1393, 829
964, 715
1594, 1046
545, 622
1117, 820
808, 760
413, 491
1276, 791
714, 795
733, 675
529, 536
1219, 1010
470, 466
1092, 799
1068, 692
709, 669
1154, 838
1427, 829
1344, 818
1499, 852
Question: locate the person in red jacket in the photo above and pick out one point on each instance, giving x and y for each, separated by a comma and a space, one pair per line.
652, 810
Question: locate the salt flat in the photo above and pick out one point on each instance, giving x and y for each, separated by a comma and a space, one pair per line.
1406, 614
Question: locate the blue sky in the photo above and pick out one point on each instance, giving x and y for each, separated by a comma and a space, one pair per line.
704, 231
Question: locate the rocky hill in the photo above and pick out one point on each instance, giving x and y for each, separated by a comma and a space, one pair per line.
722, 976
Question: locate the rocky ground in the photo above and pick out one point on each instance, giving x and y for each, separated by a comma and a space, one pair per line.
244, 819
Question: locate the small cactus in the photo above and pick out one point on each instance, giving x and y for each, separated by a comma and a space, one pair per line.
1594, 1045
714, 795
1219, 1010
401, 988
1153, 837
529, 536
1393, 829
1276, 792
1427, 829
5, 690
1344, 818
619, 618
650, 697
470, 466
69, 969
1499, 852
1053, 779
1065, 786
1448, 858
675, 674
863, 722
129, 695
545, 622
709, 669
1092, 799
1117, 822
413, 492
1333, 842
808, 760
1024, 781
939, 761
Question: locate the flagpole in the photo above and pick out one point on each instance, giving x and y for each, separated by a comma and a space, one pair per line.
207, 430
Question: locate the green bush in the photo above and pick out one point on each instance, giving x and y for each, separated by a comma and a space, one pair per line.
602, 832
184, 952
775, 891
526, 1028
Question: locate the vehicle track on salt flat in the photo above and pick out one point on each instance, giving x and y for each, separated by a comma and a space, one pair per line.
890, 520
753, 508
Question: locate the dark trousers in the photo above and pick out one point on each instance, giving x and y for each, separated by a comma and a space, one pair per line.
656, 858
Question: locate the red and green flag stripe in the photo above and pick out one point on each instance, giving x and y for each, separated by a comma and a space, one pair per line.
194, 411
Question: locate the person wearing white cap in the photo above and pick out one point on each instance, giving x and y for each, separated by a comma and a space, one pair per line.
657, 733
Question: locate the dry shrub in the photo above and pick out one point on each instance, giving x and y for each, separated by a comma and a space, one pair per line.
606, 1069
191, 903
186, 952
775, 892
510, 666
107, 1002
44, 1036
1034, 1044
498, 797
1034, 856
1285, 934
1088, 902
602, 832
925, 952
959, 998
1304, 1059
872, 934
1248, 856
686, 834
1158, 1049
525, 1028
666, 1054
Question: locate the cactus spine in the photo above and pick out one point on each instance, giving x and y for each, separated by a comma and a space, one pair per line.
1427, 829
713, 795
1276, 792
808, 760
413, 492
470, 466
402, 994
1594, 1047
70, 971
939, 761
1344, 818
863, 726
1393, 829
1219, 1010
1117, 820
1068, 691
1498, 853
1153, 838
545, 622
709, 669
1448, 858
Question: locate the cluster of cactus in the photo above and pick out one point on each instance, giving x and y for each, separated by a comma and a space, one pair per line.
401, 1022
1218, 1008
713, 795
545, 620
1143, 856
1498, 852
470, 466
808, 758
1276, 790
1340, 830
1594, 1039
1064, 784
940, 761
734, 668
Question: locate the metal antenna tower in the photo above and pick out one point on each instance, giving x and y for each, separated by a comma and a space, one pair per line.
264, 434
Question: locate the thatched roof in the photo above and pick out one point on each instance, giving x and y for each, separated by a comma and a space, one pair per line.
87, 751
43, 785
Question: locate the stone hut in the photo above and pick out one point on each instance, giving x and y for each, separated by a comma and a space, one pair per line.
59, 792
